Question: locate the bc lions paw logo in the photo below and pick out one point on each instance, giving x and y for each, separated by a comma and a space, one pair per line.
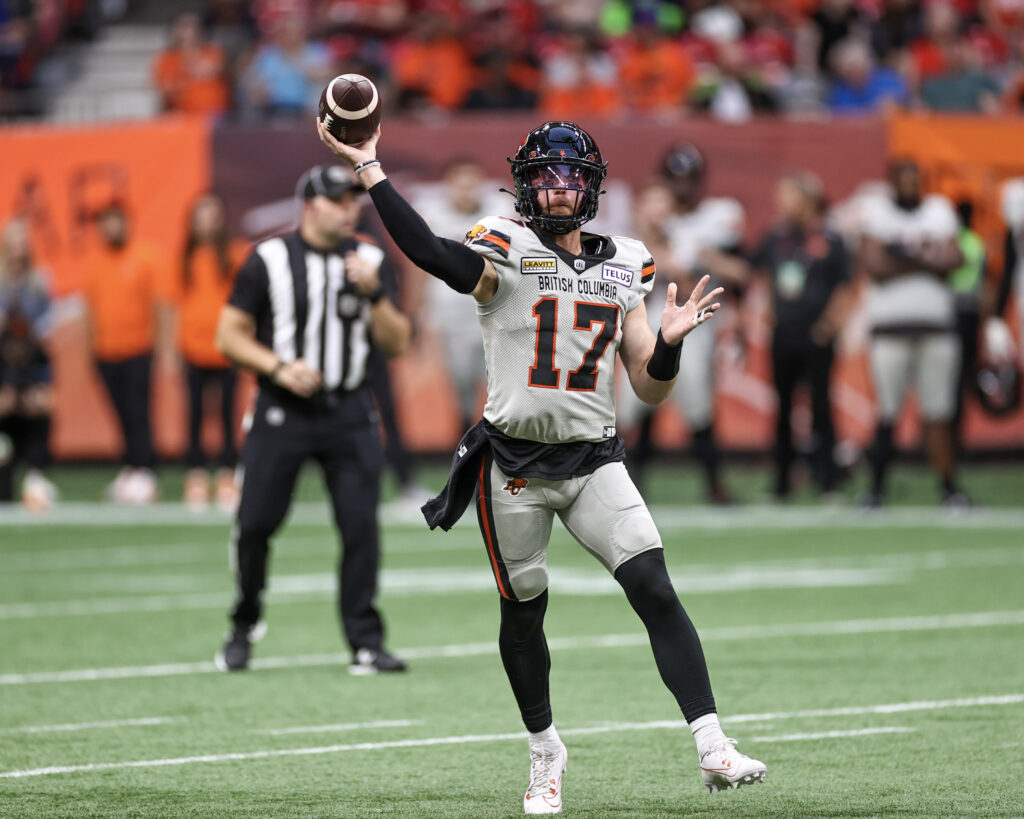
515, 485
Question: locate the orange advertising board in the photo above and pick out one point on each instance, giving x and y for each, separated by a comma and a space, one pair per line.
57, 178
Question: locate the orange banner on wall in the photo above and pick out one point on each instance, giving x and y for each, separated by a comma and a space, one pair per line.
57, 178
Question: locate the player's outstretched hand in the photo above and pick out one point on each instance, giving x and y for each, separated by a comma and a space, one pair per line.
678, 320
352, 154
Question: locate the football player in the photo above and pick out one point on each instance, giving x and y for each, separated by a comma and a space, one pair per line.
555, 305
909, 250
704, 235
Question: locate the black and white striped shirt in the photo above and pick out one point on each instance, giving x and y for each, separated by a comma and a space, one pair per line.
305, 307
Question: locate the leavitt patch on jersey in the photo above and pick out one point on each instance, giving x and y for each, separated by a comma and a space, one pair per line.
619, 275
538, 264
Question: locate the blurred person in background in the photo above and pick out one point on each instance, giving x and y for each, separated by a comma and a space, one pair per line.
287, 74
432, 66
963, 85
208, 268
580, 78
967, 282
704, 235
191, 74
126, 288
909, 249
1012, 277
809, 277
657, 74
462, 200
860, 86
653, 207
26, 395
304, 312
834, 21
735, 88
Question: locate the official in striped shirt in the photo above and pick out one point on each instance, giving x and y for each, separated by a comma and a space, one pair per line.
305, 311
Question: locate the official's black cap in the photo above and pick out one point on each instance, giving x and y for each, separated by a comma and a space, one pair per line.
327, 180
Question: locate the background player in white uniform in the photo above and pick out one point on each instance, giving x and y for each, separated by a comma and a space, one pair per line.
909, 249
555, 305
462, 199
704, 237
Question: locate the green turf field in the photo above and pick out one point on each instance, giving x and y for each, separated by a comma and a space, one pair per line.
874, 662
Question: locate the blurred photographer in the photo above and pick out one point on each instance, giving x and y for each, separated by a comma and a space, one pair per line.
809, 276
26, 398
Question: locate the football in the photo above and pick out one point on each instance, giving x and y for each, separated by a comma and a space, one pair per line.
350, 108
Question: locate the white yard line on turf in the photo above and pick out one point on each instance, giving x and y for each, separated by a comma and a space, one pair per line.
86, 726
687, 517
1009, 699
331, 729
303, 588
859, 732
982, 619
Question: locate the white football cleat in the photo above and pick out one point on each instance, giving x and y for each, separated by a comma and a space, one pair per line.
724, 767
546, 768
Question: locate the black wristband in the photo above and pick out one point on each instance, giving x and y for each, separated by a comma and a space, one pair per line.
451, 262
376, 295
664, 361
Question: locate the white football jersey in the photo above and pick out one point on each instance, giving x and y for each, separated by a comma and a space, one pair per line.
917, 299
553, 328
715, 223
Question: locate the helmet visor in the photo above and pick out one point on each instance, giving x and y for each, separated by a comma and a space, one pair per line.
559, 176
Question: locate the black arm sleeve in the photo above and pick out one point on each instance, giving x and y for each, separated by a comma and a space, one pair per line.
250, 291
454, 264
1009, 266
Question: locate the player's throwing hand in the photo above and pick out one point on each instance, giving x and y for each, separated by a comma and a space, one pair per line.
678, 320
352, 154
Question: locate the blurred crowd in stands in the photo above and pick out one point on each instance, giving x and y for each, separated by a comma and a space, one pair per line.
728, 59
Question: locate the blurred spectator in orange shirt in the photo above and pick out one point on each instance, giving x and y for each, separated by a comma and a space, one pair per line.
201, 289
657, 74
126, 293
191, 74
433, 67
580, 79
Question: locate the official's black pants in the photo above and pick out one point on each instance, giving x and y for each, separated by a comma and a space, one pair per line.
224, 378
340, 432
128, 383
792, 363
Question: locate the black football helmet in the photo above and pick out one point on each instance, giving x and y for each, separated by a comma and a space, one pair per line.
684, 161
558, 156
998, 388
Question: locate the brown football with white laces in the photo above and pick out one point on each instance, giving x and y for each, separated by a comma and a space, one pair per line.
350, 108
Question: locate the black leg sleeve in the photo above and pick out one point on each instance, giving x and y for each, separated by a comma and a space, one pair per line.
674, 640
524, 653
